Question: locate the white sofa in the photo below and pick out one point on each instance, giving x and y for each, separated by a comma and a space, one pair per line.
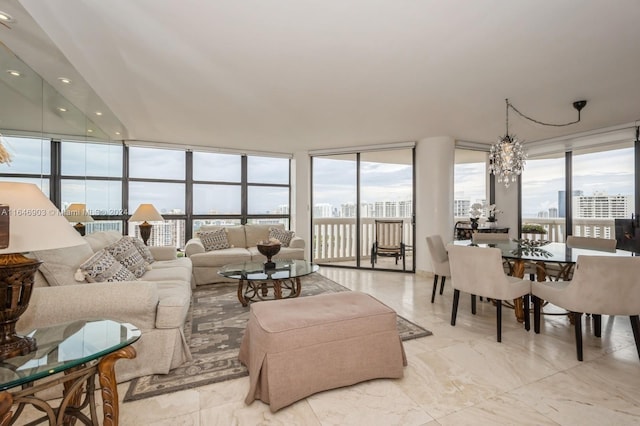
243, 240
157, 303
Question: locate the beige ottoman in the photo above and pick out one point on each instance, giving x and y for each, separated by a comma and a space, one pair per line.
294, 348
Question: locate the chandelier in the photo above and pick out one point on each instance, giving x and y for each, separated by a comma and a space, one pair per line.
507, 157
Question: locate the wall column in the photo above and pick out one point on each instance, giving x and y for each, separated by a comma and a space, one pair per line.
301, 198
434, 195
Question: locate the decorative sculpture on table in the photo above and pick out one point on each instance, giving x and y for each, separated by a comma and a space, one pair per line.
269, 249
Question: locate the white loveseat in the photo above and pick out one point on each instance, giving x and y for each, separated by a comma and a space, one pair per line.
157, 303
243, 240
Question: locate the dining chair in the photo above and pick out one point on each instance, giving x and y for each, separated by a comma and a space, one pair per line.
557, 272
489, 237
478, 271
601, 285
440, 262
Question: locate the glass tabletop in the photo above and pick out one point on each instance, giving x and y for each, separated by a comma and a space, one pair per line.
550, 252
255, 270
64, 346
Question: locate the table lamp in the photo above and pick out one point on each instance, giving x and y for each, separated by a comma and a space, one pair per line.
28, 222
146, 213
77, 212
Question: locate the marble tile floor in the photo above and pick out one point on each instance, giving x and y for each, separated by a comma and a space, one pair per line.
458, 376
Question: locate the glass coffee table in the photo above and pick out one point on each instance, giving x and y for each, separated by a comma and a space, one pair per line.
254, 282
79, 350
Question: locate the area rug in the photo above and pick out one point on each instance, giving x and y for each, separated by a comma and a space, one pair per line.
214, 332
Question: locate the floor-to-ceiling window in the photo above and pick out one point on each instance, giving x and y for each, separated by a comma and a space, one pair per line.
470, 182
603, 189
187, 188
30, 161
91, 174
158, 176
350, 193
543, 198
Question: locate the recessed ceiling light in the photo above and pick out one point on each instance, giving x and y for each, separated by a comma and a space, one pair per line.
98, 113
118, 133
89, 130
5, 17
62, 109
15, 73
65, 80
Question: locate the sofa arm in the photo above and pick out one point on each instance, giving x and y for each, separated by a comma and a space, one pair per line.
193, 246
297, 242
164, 252
134, 302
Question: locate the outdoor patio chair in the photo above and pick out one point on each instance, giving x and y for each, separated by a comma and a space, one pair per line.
388, 241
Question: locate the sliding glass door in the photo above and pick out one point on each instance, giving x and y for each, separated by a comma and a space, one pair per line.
363, 209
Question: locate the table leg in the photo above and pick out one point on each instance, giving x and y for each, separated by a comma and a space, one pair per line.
107, 377
518, 271
241, 293
6, 401
277, 289
298, 286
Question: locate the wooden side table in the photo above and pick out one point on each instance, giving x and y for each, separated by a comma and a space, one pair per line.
71, 354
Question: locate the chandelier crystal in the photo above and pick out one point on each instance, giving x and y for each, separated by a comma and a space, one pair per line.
507, 157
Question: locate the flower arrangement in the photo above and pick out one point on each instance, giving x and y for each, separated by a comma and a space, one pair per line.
475, 211
492, 211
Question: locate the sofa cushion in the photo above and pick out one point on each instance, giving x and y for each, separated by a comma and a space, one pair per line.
144, 250
60, 265
168, 274
235, 234
102, 266
221, 257
126, 253
99, 240
282, 235
256, 233
214, 240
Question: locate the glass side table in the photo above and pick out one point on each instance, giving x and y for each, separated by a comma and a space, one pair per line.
79, 350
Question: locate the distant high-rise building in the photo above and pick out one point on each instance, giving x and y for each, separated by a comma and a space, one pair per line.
562, 209
553, 212
322, 210
461, 208
602, 206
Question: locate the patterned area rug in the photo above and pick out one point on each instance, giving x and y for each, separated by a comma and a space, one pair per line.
215, 330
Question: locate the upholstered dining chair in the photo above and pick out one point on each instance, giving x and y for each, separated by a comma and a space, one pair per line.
489, 237
601, 285
440, 262
479, 271
565, 272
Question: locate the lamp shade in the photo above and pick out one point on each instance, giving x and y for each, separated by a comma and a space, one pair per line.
146, 213
34, 222
77, 212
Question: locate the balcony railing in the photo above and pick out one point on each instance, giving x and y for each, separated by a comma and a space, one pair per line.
334, 239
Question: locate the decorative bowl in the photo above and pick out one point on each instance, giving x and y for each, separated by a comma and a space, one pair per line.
269, 250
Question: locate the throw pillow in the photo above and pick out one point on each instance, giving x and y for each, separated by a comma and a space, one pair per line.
144, 250
126, 253
281, 235
102, 266
214, 240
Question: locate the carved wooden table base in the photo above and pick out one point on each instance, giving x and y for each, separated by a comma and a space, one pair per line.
77, 381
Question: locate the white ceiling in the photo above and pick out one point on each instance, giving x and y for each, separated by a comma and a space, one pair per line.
288, 75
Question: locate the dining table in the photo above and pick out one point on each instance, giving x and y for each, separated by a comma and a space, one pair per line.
520, 252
